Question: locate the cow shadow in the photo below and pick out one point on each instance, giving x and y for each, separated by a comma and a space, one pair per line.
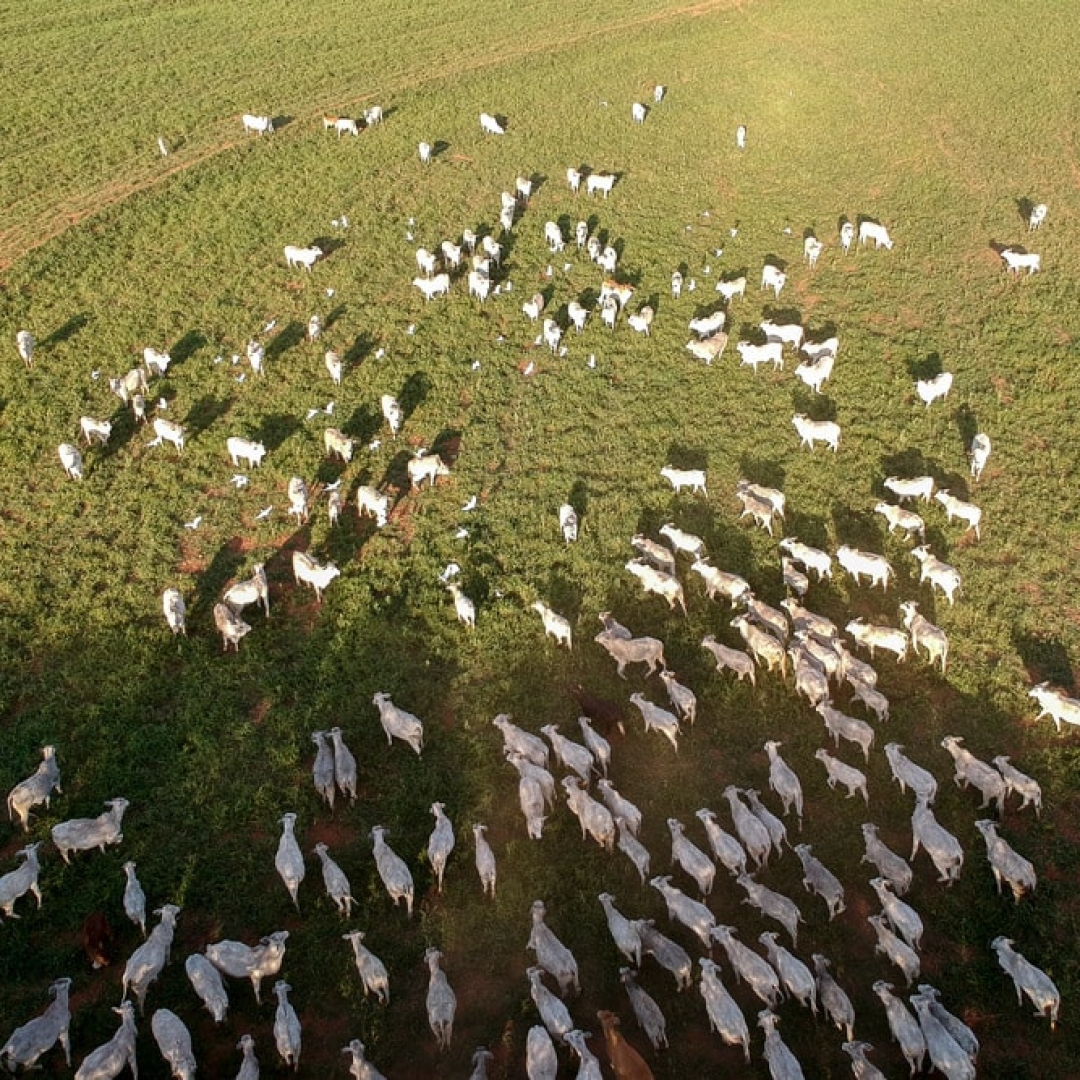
684, 456
967, 425
1046, 660
334, 316
439, 147
396, 473
275, 428
67, 330
447, 445
811, 529
822, 332
905, 464
860, 528
564, 594
187, 346
813, 406
579, 498
280, 122
204, 412
414, 393
764, 471
784, 316
927, 368
752, 332
1024, 206
328, 245
222, 568
287, 338
355, 354
124, 427
364, 424
775, 260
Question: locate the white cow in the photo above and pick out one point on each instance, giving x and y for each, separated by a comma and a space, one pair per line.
637, 112
24, 342
752, 355
252, 452
602, 182
772, 277
489, 125
1015, 261
257, 124
1037, 216
426, 467
812, 431
439, 285
680, 478
871, 230
302, 256
731, 288
71, 459
929, 390
315, 574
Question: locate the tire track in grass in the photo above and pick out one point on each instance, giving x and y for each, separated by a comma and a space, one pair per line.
52, 221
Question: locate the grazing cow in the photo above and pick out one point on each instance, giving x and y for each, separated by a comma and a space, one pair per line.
479, 285
740, 136
373, 115
637, 112
257, 124
24, 342
169, 431
310, 572
772, 277
871, 230
1015, 261
95, 430
424, 150
345, 125
439, 285
231, 627
301, 256
811, 431
338, 444
490, 125
98, 940
602, 182
252, 452
426, 467
71, 459
729, 289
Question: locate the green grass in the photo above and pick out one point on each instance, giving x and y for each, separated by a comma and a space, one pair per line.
932, 122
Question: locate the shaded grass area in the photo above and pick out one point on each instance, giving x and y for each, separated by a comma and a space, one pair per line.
212, 749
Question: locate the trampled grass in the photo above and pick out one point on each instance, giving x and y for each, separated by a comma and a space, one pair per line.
932, 122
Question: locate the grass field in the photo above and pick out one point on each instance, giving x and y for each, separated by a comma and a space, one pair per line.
941, 123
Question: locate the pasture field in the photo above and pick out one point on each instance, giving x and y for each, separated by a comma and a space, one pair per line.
943, 121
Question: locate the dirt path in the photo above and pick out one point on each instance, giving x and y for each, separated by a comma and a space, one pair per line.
51, 221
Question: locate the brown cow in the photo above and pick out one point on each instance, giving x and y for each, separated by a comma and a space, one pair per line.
626, 1062
98, 939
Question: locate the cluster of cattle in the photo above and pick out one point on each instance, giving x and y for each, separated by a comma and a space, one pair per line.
793, 636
